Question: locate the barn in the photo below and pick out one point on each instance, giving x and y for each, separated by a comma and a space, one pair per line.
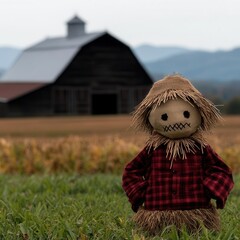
79, 74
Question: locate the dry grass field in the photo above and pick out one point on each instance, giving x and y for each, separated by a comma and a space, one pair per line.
225, 134
65, 126
90, 144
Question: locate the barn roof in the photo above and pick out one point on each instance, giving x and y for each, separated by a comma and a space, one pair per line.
46, 60
10, 91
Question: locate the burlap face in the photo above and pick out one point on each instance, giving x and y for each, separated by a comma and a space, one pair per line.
175, 118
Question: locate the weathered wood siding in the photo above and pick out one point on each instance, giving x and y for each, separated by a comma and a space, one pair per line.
86, 100
104, 71
105, 62
37, 103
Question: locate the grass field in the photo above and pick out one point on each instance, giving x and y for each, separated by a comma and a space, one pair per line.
83, 207
60, 178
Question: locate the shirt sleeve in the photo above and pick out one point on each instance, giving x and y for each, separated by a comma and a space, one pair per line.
133, 180
218, 177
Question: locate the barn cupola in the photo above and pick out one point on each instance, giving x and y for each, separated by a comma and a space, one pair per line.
75, 27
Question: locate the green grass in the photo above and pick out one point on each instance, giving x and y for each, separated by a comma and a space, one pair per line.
84, 207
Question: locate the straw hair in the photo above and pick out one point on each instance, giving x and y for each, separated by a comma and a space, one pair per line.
193, 220
169, 88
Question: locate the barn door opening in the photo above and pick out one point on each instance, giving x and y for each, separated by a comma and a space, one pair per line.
104, 104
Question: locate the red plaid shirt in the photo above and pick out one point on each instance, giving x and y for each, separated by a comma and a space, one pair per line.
190, 184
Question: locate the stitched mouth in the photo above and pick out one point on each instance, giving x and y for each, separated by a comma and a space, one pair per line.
176, 127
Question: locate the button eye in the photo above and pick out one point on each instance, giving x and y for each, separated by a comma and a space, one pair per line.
164, 117
186, 114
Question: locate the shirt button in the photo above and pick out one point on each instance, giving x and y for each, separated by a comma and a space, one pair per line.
173, 171
174, 192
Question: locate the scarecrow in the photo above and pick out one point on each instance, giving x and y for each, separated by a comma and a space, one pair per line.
173, 179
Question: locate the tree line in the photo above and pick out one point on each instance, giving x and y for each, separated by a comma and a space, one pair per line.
229, 107
225, 95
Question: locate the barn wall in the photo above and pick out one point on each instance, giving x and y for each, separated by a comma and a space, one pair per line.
105, 61
86, 100
75, 100
71, 100
104, 78
3, 109
37, 103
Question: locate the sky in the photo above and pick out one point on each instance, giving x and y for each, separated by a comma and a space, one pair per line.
196, 24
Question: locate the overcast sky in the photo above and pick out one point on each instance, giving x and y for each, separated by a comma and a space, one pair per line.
196, 24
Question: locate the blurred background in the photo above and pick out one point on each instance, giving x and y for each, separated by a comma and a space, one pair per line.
71, 73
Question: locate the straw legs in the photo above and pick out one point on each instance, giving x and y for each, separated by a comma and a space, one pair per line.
154, 222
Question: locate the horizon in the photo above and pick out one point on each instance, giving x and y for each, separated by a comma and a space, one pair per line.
143, 44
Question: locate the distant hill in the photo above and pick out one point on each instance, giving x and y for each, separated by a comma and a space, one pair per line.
1, 72
160, 61
149, 53
8, 56
218, 92
199, 65
215, 74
